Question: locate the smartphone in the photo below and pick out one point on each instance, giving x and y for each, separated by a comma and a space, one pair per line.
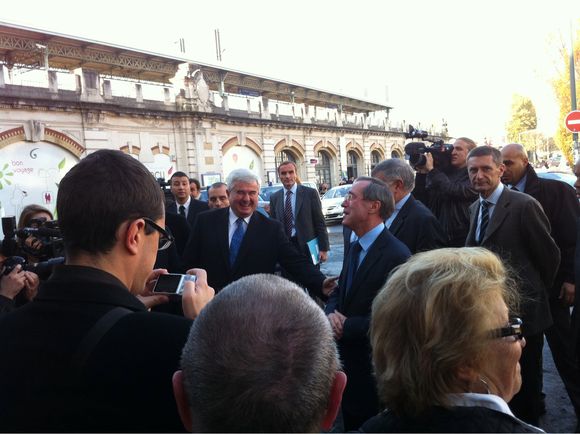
172, 283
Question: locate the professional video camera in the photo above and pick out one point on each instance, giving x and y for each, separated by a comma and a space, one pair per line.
166, 188
416, 150
15, 247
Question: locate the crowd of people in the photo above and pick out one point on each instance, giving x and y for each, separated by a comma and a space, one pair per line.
451, 278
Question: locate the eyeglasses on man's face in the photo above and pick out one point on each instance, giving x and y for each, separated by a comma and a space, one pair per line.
165, 238
514, 329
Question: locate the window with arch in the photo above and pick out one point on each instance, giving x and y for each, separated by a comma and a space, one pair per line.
351, 165
323, 173
375, 159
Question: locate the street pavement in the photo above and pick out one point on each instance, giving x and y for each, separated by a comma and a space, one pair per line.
559, 415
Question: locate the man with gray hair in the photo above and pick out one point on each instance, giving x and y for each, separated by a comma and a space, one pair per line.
259, 358
236, 241
411, 221
367, 263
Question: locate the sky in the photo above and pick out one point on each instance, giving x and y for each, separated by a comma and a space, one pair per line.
458, 60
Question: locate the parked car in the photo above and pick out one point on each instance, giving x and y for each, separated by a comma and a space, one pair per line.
332, 203
568, 178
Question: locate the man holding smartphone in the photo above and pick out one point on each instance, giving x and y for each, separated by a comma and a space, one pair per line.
86, 354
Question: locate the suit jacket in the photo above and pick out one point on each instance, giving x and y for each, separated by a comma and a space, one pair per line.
195, 207
385, 253
309, 221
560, 204
264, 245
125, 383
415, 226
519, 233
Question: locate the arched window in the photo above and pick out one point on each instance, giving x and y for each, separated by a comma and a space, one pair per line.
351, 165
375, 159
323, 169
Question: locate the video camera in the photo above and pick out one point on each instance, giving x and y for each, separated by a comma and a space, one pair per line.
416, 150
16, 249
166, 188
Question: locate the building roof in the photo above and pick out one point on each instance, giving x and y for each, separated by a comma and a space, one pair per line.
26, 47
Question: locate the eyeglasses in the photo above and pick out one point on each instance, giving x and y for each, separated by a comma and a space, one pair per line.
514, 328
165, 239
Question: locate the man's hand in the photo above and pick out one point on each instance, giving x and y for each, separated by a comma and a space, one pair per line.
31, 282
428, 166
567, 293
148, 297
337, 323
323, 256
12, 284
196, 294
329, 285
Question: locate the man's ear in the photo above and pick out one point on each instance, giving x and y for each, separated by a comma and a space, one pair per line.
181, 400
131, 235
336, 391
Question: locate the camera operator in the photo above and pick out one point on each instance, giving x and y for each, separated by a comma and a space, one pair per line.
448, 193
32, 216
86, 354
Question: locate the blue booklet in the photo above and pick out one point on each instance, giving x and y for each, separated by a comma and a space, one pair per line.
314, 250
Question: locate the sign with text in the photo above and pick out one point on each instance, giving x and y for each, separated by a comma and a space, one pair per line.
30, 174
572, 121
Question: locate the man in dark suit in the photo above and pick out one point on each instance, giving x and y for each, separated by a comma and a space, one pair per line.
559, 202
411, 222
514, 226
233, 242
367, 263
299, 209
184, 204
86, 355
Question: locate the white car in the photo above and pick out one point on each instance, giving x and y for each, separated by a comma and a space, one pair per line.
332, 202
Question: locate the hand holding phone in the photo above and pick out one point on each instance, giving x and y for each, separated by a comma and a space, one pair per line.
172, 284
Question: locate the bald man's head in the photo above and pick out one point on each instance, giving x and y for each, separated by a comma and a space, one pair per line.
515, 160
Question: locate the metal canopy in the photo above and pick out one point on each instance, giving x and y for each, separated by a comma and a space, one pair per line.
27, 47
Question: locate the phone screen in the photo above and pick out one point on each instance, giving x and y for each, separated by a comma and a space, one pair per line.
172, 283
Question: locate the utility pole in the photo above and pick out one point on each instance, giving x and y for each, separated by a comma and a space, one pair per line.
218, 45
573, 81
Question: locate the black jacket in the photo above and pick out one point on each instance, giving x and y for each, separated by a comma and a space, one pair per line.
560, 204
448, 196
125, 383
454, 419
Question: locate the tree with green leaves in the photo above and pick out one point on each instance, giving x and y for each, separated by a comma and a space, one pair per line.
523, 120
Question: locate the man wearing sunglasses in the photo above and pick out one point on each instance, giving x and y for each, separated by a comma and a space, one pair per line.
86, 354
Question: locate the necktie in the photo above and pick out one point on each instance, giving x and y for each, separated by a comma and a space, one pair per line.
236, 240
353, 253
288, 214
182, 210
484, 220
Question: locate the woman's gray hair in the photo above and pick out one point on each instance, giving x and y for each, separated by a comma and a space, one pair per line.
242, 175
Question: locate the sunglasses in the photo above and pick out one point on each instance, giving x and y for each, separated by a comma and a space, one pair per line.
165, 238
514, 328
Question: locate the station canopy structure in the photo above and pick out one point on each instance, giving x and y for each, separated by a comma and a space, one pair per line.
25, 47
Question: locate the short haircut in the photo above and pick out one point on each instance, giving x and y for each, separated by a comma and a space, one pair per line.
242, 175
101, 192
260, 357
433, 316
394, 169
470, 143
217, 185
178, 174
378, 190
196, 182
284, 163
484, 151
28, 211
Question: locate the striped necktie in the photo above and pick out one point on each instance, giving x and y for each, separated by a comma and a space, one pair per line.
484, 220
